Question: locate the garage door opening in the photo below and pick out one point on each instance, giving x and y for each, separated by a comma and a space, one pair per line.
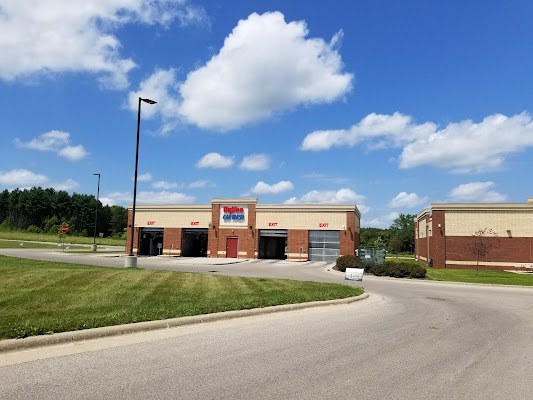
194, 243
151, 241
272, 244
324, 245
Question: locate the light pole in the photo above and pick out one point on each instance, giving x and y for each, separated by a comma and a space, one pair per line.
96, 214
131, 260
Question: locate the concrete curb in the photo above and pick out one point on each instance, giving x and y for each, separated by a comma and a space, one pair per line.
95, 333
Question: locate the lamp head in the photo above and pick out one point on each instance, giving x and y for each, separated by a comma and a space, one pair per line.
148, 101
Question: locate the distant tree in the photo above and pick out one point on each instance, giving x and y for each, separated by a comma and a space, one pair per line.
482, 243
403, 230
369, 235
379, 242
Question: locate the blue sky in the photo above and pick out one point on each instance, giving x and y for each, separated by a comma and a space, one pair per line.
388, 105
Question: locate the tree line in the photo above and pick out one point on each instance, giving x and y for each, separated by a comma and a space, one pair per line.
398, 238
41, 210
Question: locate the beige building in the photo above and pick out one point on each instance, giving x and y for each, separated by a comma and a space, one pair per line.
241, 228
444, 235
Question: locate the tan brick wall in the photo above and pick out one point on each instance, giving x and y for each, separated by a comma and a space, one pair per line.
172, 218
301, 220
466, 223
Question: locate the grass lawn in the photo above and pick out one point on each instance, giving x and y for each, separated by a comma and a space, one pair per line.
469, 275
39, 297
45, 237
15, 244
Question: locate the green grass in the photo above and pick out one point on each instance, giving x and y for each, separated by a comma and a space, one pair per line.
15, 244
488, 277
469, 275
44, 237
39, 297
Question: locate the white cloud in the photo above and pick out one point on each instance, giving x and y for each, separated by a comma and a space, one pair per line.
73, 153
164, 185
57, 142
462, 147
108, 201
55, 36
477, 192
214, 160
376, 130
265, 188
266, 66
405, 200
49, 141
67, 185
147, 177
147, 197
255, 162
385, 221
341, 196
200, 184
164, 197
21, 178
160, 87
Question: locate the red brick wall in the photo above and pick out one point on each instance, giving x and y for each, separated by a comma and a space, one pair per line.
248, 241
349, 238
298, 238
512, 250
437, 242
172, 236
421, 245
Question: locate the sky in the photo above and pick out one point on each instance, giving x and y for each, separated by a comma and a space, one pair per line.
384, 104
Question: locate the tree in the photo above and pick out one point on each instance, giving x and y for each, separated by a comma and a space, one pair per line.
482, 242
403, 230
379, 242
368, 236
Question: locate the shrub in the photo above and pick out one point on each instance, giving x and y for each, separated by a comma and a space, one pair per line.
6, 226
33, 229
398, 270
344, 262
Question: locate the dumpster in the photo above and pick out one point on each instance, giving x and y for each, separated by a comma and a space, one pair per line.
371, 255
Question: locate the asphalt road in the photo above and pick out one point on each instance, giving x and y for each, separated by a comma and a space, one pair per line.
408, 340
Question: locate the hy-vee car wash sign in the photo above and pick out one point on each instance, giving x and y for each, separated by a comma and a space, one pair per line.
234, 215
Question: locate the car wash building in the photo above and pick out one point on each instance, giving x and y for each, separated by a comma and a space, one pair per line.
241, 228
446, 233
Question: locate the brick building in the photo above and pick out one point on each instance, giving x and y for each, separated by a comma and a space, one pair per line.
445, 232
241, 228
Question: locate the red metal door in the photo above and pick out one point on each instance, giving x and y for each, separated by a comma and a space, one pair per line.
232, 246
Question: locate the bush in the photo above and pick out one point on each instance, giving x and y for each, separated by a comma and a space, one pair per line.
33, 229
344, 262
6, 226
397, 270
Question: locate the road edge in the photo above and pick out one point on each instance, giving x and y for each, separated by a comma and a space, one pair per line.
32, 342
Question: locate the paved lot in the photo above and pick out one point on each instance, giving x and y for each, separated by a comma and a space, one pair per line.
409, 340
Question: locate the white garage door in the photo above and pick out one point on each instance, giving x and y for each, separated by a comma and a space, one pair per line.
324, 245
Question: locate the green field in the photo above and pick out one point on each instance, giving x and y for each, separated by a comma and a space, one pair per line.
20, 244
38, 297
488, 277
469, 275
44, 237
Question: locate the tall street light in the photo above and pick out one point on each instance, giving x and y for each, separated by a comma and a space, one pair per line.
131, 260
96, 213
